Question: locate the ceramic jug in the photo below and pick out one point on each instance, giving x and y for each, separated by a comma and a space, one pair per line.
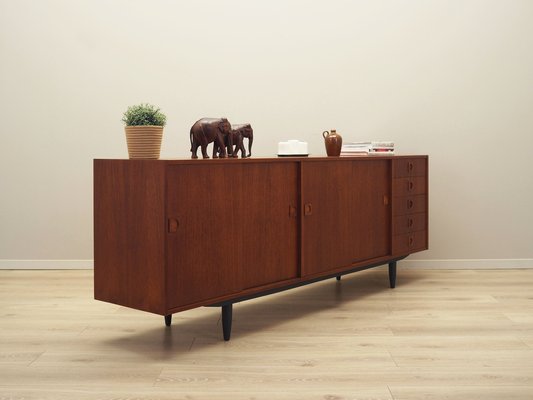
333, 142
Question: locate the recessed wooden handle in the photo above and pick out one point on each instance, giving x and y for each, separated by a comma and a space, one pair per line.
411, 241
173, 225
292, 212
410, 167
410, 204
410, 186
409, 222
308, 209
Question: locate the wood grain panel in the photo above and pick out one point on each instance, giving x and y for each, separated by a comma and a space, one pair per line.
235, 229
268, 229
327, 227
202, 261
370, 210
129, 236
351, 216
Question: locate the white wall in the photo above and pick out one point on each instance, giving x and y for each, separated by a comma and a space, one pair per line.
452, 79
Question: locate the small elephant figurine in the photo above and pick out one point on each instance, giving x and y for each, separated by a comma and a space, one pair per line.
236, 139
207, 130
243, 131
238, 133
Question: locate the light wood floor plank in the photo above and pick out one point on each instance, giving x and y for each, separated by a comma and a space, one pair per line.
454, 392
110, 393
441, 334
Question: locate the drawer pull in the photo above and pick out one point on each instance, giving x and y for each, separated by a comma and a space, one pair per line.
410, 167
410, 186
410, 204
411, 241
410, 222
308, 209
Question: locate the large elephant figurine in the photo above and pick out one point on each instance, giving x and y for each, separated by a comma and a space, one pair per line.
240, 132
207, 130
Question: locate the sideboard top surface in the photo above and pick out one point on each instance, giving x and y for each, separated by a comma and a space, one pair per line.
171, 161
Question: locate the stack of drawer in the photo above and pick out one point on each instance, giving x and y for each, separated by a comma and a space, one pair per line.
409, 205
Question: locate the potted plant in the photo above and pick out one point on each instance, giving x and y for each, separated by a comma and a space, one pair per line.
144, 130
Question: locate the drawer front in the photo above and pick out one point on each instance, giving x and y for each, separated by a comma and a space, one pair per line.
409, 205
409, 223
409, 186
405, 167
409, 242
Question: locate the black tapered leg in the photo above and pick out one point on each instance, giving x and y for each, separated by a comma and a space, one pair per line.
392, 274
168, 319
227, 311
339, 278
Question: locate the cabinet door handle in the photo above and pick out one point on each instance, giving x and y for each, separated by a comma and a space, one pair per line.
292, 212
308, 209
173, 225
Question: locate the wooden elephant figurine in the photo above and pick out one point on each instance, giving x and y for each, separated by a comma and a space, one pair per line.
207, 130
238, 133
244, 131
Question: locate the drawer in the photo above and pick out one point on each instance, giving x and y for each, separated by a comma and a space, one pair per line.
404, 167
409, 223
409, 242
409, 186
408, 205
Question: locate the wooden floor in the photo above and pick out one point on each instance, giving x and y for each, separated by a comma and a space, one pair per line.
445, 334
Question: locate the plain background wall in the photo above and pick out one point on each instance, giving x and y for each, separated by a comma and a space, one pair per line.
452, 79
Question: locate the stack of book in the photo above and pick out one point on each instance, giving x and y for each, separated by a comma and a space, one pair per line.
382, 148
367, 148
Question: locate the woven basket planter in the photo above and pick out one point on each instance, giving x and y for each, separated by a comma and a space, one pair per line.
144, 141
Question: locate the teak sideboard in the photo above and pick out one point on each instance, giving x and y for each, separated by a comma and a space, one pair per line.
171, 235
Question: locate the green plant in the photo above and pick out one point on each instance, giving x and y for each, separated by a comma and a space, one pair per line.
144, 114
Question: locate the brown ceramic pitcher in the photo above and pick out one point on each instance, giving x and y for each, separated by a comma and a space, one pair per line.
333, 143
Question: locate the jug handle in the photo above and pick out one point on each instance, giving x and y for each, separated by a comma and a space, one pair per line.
325, 134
